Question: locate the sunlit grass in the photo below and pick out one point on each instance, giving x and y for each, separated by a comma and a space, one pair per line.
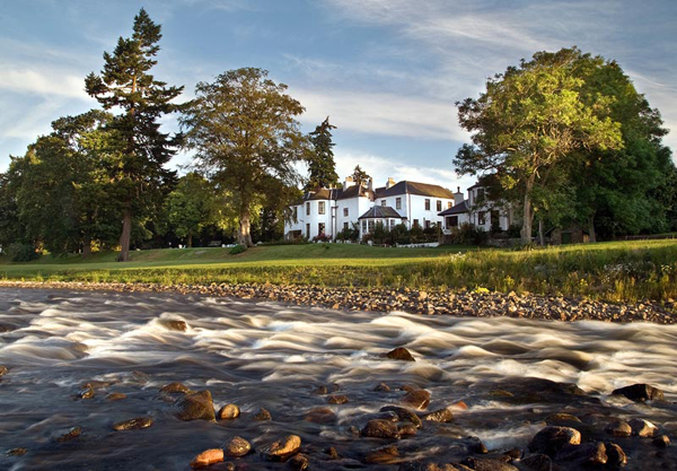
615, 271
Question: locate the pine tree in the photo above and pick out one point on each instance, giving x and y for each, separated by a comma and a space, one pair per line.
321, 163
126, 83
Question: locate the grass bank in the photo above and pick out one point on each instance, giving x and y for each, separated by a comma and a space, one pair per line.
612, 271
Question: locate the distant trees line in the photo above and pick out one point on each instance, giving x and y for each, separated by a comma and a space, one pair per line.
565, 137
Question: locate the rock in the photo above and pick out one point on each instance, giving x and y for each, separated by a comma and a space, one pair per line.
440, 415
380, 428
3, 370
563, 419
383, 387
172, 388
400, 353
538, 462
643, 428
299, 462
662, 441
619, 428
332, 453
283, 448
17, 452
615, 455
136, 423
640, 392
237, 447
229, 411
87, 392
406, 430
404, 415
488, 464
383, 455
551, 439
71, 434
321, 415
173, 324
263, 414
116, 396
324, 389
196, 406
207, 458
337, 399
586, 454
417, 398
477, 446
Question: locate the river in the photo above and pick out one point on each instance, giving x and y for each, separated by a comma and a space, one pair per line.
263, 354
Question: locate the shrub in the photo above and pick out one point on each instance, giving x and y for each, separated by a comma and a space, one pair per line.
400, 234
350, 233
237, 249
321, 238
467, 234
381, 235
18, 252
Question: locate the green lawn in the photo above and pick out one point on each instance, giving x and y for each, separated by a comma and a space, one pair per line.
617, 271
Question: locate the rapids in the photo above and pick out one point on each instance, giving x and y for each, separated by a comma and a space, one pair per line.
260, 354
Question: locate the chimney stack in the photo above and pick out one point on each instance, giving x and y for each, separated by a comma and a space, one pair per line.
458, 196
390, 182
348, 182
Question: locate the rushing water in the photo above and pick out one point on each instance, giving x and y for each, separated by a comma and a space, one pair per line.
259, 354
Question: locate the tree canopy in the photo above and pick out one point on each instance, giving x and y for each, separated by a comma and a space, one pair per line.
244, 129
321, 165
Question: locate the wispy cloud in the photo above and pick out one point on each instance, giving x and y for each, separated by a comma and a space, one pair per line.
44, 82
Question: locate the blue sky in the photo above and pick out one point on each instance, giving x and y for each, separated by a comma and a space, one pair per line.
387, 72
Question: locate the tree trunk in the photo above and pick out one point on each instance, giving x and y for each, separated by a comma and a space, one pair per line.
244, 236
541, 236
528, 216
86, 247
591, 229
190, 239
126, 236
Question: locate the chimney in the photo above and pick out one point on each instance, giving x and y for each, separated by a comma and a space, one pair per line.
348, 182
390, 182
458, 196
370, 186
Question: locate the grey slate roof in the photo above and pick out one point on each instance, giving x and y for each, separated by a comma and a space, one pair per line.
414, 188
381, 212
458, 209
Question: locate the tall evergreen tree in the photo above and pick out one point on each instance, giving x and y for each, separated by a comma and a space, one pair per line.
321, 163
126, 83
360, 177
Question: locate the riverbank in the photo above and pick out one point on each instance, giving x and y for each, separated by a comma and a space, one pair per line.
478, 303
626, 272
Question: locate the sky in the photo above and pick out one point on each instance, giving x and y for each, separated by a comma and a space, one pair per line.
387, 72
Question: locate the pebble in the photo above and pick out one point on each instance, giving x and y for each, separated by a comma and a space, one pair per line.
196, 406
284, 447
263, 414
229, 411
237, 447
552, 439
116, 396
207, 458
400, 353
136, 423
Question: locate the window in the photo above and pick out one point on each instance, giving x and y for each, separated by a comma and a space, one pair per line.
415, 222
345, 226
296, 213
439, 205
345, 212
449, 204
392, 224
398, 203
308, 231
320, 207
426, 223
452, 221
427, 204
320, 228
364, 225
307, 209
371, 226
383, 202
481, 218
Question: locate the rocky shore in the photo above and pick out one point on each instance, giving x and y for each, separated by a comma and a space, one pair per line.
480, 303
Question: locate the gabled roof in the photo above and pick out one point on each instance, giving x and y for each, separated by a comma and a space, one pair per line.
322, 194
414, 188
353, 191
381, 212
458, 209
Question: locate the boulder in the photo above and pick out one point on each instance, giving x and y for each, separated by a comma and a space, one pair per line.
383, 455
587, 454
237, 447
552, 439
337, 399
640, 392
643, 428
615, 456
563, 419
440, 415
321, 415
229, 411
380, 428
136, 423
662, 441
196, 406
488, 464
285, 447
175, 387
619, 428
406, 430
207, 458
173, 324
263, 415
538, 462
299, 462
417, 399
400, 353
405, 415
